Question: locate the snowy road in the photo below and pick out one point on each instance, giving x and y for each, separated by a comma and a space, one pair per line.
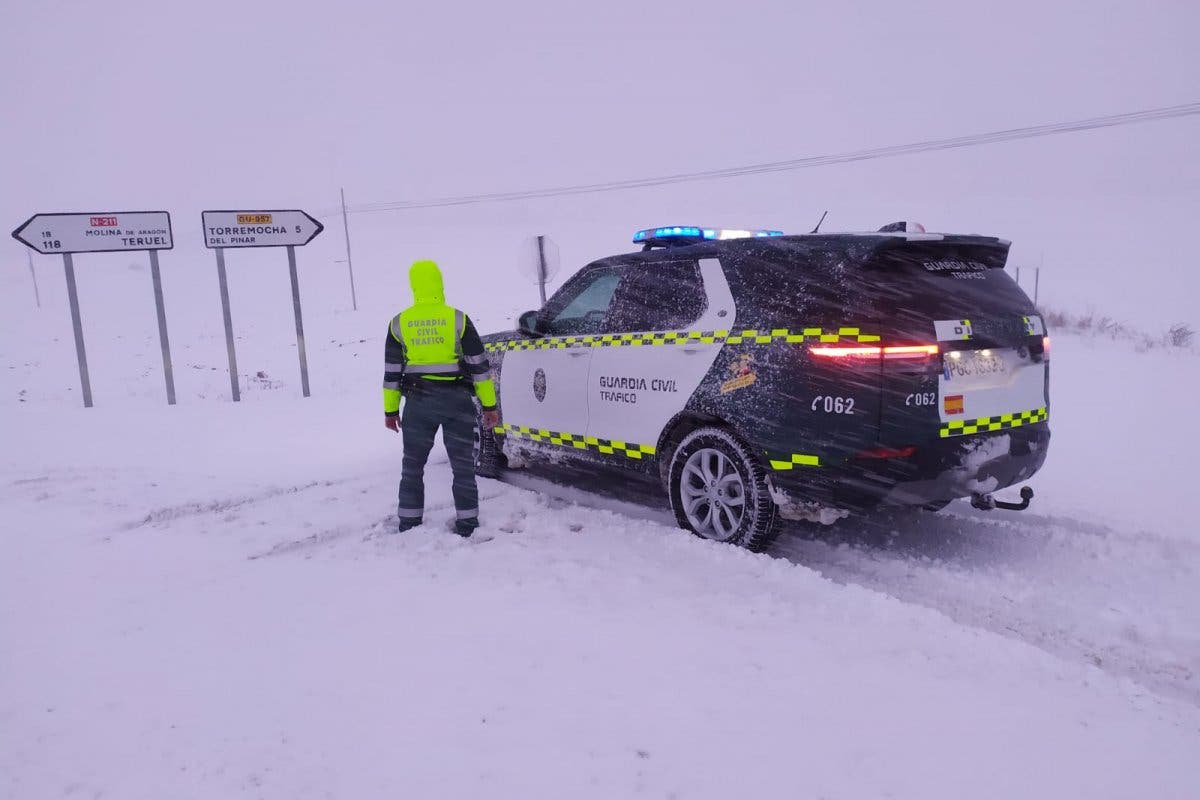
202, 601
260, 643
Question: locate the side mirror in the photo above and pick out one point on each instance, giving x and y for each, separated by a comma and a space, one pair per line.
529, 323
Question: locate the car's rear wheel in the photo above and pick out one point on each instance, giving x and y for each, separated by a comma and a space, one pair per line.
719, 491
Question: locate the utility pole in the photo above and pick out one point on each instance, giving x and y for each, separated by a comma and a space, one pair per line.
349, 263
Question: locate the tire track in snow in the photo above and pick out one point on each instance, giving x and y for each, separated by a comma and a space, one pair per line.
165, 515
368, 530
1075, 589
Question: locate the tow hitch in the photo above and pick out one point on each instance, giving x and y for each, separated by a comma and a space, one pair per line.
986, 502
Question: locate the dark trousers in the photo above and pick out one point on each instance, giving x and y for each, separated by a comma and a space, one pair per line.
429, 405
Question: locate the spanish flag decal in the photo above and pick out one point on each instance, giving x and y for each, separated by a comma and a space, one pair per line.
953, 403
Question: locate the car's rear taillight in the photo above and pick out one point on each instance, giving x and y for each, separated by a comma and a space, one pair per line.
846, 352
913, 351
905, 352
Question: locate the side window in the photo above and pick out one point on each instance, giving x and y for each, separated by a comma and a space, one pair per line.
660, 296
584, 306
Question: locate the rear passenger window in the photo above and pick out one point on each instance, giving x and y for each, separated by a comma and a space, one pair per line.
660, 296
793, 284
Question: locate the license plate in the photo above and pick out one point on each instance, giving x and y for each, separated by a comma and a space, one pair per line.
965, 364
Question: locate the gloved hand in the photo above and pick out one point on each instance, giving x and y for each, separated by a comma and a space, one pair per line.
392, 423
491, 419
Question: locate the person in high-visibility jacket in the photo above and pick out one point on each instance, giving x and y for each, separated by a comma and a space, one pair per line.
433, 357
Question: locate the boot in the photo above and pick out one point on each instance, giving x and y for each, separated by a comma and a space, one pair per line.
407, 524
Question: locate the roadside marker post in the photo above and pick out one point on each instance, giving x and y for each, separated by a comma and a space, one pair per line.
290, 228
103, 232
349, 260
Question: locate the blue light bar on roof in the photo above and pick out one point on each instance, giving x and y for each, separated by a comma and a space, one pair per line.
692, 233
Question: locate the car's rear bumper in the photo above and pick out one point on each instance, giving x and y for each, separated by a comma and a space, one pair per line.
937, 472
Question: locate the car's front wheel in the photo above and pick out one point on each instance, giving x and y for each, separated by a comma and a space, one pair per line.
719, 491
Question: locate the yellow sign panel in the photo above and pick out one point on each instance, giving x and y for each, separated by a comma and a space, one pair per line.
254, 219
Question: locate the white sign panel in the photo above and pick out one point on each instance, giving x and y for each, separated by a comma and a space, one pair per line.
259, 228
99, 232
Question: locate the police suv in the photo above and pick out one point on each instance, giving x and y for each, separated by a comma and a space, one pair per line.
760, 376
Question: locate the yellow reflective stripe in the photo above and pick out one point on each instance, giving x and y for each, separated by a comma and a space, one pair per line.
748, 336
578, 442
966, 427
796, 460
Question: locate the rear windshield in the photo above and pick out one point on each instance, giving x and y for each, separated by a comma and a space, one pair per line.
944, 281
896, 285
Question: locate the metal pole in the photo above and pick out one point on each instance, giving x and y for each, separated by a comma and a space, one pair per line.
541, 242
233, 373
37, 296
80, 352
1038, 275
349, 263
1018, 276
164, 342
299, 322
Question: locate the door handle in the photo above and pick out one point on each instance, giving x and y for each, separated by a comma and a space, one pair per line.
576, 352
691, 351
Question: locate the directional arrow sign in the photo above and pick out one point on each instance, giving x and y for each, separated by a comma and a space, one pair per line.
290, 228
97, 232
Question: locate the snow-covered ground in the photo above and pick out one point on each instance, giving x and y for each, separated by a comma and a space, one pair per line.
202, 601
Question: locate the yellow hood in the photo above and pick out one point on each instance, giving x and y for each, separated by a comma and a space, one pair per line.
426, 280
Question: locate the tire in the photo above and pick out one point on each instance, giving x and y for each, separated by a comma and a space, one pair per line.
735, 506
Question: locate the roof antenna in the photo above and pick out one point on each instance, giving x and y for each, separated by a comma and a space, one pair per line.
822, 219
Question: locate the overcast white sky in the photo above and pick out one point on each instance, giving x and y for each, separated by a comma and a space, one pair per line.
150, 104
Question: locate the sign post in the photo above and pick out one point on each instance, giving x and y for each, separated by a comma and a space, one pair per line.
223, 282
541, 246
103, 232
163, 340
539, 259
37, 296
291, 251
85, 380
290, 228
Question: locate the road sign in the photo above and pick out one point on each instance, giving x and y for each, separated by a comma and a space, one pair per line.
104, 232
97, 232
539, 259
289, 228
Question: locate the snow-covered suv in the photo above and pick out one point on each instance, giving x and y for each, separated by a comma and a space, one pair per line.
761, 376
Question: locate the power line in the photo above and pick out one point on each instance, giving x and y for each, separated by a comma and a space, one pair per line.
931, 145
